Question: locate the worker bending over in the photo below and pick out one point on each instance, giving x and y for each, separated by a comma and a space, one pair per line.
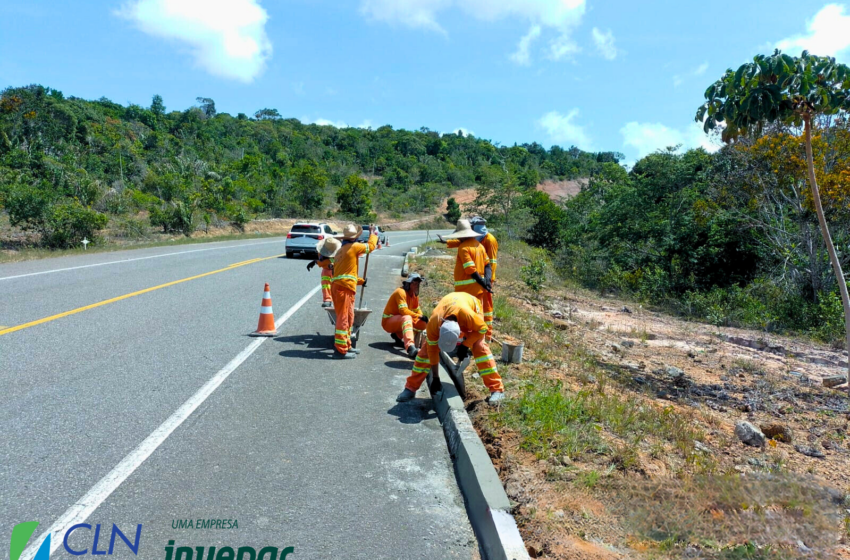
402, 313
491, 247
326, 249
344, 285
458, 317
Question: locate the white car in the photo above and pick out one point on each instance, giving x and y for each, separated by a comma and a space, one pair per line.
303, 237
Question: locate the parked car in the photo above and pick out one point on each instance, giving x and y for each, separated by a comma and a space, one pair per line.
364, 237
303, 237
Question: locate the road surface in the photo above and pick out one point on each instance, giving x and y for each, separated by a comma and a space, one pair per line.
148, 404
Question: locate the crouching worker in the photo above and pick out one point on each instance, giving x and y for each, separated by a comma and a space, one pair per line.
402, 314
326, 249
459, 317
344, 286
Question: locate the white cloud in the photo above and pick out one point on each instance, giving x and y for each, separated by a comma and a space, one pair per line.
700, 70
338, 124
828, 34
605, 43
647, 138
227, 39
522, 54
560, 15
298, 88
562, 129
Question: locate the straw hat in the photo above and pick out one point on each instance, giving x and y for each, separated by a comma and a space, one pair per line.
352, 231
328, 247
463, 231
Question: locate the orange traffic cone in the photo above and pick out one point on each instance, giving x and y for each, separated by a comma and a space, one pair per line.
379, 243
388, 241
266, 325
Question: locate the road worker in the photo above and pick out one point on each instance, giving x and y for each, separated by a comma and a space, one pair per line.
458, 318
344, 285
402, 314
326, 249
473, 269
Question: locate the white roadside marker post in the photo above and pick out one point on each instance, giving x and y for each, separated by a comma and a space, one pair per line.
85, 244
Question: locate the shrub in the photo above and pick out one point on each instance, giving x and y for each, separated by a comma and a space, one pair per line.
534, 274
173, 218
452, 210
67, 223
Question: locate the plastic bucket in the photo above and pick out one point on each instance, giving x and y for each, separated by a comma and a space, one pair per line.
512, 353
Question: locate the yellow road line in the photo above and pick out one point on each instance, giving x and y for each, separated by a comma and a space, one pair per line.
9, 330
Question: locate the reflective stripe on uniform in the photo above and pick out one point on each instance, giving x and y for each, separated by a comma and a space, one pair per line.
467, 264
344, 277
488, 371
402, 305
433, 343
422, 370
483, 359
385, 316
464, 282
483, 331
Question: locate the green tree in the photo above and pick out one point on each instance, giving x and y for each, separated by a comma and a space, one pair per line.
355, 197
309, 187
157, 106
791, 90
452, 210
207, 106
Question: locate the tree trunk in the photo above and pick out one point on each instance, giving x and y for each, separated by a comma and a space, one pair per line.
836, 265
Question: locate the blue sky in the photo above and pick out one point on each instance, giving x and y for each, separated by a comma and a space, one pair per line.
621, 76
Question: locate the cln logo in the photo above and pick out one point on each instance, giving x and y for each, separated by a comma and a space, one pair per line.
21, 534
23, 531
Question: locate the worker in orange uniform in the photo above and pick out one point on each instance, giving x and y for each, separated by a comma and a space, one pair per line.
326, 250
491, 247
472, 266
402, 313
458, 317
344, 285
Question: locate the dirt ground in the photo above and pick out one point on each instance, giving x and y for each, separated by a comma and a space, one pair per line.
558, 190
713, 378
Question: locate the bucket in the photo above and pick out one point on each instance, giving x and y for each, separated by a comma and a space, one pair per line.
512, 353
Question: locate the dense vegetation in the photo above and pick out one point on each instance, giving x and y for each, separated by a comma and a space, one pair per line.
730, 237
67, 165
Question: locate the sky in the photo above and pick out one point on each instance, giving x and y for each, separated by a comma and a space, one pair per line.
618, 76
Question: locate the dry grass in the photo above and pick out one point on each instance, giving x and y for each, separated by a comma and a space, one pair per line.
646, 477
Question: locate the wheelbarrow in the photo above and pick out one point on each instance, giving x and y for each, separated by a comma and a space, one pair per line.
361, 314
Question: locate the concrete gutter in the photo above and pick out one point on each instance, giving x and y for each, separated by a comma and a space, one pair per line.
487, 505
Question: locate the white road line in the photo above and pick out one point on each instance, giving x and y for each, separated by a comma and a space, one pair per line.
137, 259
86, 505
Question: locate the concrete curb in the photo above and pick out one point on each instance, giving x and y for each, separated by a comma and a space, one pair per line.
487, 504
405, 267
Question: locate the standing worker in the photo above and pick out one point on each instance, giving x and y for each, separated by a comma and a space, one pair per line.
458, 317
402, 313
344, 285
326, 249
491, 246
473, 269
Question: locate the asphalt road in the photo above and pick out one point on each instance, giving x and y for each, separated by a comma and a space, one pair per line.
158, 407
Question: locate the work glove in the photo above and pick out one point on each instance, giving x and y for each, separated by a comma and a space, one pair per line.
361, 282
424, 318
440, 238
310, 265
462, 353
481, 282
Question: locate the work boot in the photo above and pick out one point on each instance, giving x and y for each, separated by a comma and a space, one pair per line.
406, 395
346, 356
327, 304
436, 387
396, 340
412, 351
354, 350
496, 398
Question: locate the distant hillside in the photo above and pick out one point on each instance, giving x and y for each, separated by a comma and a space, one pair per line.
71, 163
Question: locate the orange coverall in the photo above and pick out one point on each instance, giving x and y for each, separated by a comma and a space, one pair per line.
344, 287
472, 257
470, 318
401, 315
327, 266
